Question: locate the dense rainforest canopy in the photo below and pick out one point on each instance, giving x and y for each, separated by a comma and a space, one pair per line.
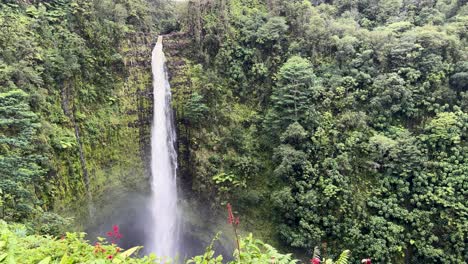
335, 124
345, 120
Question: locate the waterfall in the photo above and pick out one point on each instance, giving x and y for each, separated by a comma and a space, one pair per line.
164, 237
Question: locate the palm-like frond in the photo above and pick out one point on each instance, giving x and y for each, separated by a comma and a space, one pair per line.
344, 258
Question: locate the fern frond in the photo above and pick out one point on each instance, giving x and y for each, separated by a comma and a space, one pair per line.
316, 252
271, 250
344, 257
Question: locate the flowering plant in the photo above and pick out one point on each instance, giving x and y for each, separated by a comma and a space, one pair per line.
234, 221
115, 234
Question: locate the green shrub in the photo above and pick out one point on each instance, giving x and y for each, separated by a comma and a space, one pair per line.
16, 246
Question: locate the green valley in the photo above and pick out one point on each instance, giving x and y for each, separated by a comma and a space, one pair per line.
336, 130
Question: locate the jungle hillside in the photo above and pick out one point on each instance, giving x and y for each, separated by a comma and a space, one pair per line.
331, 129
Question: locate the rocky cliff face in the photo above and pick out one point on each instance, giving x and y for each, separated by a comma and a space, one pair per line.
117, 155
177, 48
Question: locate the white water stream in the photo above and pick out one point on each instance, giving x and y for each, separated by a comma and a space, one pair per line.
164, 238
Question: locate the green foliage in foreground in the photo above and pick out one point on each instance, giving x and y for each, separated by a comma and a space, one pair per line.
17, 246
251, 251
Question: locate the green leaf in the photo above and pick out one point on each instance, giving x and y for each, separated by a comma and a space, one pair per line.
45, 261
129, 252
344, 258
66, 260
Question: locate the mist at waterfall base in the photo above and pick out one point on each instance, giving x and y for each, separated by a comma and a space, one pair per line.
154, 219
131, 212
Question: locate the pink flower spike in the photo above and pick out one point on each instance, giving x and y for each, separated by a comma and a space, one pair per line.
230, 214
315, 261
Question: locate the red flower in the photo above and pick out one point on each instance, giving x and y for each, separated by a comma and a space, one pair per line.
110, 257
315, 261
230, 214
366, 261
114, 235
98, 248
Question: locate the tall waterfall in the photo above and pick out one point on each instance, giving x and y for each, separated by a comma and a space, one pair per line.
164, 238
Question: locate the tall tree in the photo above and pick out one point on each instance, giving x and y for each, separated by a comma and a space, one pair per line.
293, 97
21, 164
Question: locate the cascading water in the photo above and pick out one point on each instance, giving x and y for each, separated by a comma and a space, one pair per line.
164, 238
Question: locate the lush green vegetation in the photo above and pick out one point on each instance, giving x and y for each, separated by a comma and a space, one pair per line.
17, 246
72, 78
330, 123
338, 124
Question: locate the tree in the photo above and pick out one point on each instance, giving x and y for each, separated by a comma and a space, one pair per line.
293, 96
21, 166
